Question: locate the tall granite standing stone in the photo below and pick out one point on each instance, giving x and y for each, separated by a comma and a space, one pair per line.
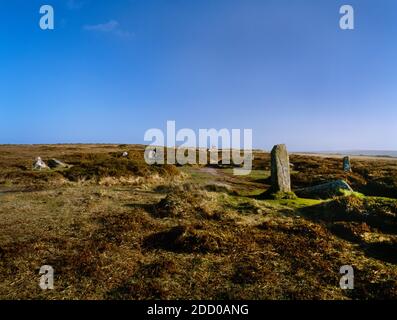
346, 164
280, 169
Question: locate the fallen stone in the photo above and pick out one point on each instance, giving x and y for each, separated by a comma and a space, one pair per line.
325, 190
56, 164
280, 169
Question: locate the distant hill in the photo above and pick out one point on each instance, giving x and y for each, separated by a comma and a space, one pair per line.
369, 153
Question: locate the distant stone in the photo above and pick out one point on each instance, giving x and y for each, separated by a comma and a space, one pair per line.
152, 154
213, 155
125, 154
152, 158
280, 169
325, 190
213, 149
346, 164
56, 164
39, 164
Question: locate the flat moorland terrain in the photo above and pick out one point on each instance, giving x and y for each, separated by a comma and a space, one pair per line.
113, 227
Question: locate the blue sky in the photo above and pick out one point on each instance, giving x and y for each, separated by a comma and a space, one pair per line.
113, 69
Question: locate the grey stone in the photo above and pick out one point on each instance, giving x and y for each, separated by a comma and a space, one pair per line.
152, 158
152, 154
56, 164
346, 164
125, 154
325, 190
39, 164
280, 169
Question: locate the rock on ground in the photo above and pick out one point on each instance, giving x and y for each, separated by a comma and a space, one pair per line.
55, 164
325, 190
39, 164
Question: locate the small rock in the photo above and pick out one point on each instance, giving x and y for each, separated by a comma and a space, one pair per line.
152, 154
39, 164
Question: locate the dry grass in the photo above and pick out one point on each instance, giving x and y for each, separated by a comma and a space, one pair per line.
132, 232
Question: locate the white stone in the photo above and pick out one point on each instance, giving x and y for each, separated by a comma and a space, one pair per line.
39, 164
152, 154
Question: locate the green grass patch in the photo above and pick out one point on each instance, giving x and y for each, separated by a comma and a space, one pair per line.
297, 203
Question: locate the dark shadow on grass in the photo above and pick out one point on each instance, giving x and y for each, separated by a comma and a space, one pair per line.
182, 239
148, 207
384, 251
264, 181
351, 226
328, 212
154, 210
23, 190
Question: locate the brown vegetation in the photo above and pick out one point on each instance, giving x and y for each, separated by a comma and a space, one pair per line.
189, 232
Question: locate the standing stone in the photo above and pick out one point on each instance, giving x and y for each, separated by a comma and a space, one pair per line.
280, 169
346, 164
214, 155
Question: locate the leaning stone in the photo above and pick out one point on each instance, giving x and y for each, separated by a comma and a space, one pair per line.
280, 169
325, 190
346, 164
56, 164
39, 164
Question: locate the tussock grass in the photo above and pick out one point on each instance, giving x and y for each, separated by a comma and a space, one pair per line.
132, 232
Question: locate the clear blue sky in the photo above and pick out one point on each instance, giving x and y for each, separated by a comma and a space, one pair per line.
113, 69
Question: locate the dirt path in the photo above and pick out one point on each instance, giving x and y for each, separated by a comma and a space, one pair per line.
211, 171
220, 177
